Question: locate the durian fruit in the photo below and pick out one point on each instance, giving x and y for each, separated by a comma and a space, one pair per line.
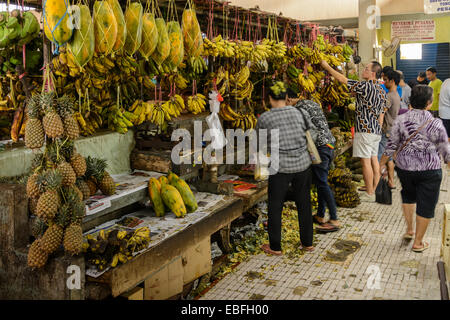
64, 106
37, 258
49, 202
34, 131
53, 125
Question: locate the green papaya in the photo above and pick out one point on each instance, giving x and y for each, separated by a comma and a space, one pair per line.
82, 45
186, 194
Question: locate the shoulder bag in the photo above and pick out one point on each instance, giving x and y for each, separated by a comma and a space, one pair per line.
410, 138
312, 149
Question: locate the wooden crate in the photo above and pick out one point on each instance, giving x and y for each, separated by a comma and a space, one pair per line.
445, 247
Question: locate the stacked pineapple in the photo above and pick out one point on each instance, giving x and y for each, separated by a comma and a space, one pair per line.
97, 177
55, 187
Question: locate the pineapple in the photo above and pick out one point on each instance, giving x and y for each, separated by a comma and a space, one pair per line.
33, 190
96, 167
64, 106
37, 258
78, 164
84, 188
52, 122
32, 205
73, 239
92, 184
34, 131
38, 228
53, 236
68, 174
49, 202
107, 185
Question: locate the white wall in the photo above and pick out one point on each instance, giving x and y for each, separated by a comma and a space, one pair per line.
307, 10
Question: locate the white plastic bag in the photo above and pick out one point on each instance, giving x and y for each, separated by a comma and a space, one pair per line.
218, 140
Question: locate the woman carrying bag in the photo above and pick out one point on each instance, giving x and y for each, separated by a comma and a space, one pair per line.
415, 143
294, 165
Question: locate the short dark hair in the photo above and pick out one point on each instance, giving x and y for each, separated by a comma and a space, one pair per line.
291, 94
402, 76
393, 75
432, 69
421, 96
377, 68
422, 74
386, 69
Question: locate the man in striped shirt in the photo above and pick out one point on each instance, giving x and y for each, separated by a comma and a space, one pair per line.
370, 108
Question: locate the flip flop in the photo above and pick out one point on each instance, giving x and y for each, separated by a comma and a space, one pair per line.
407, 236
316, 220
266, 249
426, 245
327, 227
307, 249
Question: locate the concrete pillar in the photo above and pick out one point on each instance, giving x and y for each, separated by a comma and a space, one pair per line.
368, 12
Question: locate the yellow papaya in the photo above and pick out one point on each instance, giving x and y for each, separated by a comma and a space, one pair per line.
186, 194
154, 190
173, 200
163, 180
163, 48
105, 28
133, 19
192, 35
82, 45
172, 176
121, 25
149, 35
176, 43
58, 26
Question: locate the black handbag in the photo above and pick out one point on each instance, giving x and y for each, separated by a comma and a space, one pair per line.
383, 194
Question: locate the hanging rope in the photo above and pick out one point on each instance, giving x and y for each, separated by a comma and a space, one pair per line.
44, 15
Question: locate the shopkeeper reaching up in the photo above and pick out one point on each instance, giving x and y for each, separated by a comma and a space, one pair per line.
370, 108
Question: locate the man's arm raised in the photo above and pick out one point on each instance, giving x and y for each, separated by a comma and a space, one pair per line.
336, 74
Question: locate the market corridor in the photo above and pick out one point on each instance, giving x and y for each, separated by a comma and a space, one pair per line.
374, 235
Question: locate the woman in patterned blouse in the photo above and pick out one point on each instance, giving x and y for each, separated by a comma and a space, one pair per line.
418, 139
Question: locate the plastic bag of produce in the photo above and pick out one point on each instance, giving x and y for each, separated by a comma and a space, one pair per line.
133, 19
121, 24
82, 45
57, 18
176, 43
105, 27
149, 35
163, 48
192, 35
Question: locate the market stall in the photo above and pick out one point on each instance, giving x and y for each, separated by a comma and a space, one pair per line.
157, 68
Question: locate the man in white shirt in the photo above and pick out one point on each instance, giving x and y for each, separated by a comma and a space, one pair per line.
444, 105
406, 91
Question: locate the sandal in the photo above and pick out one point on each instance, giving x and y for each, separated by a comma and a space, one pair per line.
408, 236
309, 249
327, 227
266, 249
363, 188
316, 220
426, 245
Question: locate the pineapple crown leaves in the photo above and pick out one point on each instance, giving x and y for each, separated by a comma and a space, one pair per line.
47, 101
38, 162
33, 106
38, 228
58, 151
49, 180
95, 167
65, 106
63, 217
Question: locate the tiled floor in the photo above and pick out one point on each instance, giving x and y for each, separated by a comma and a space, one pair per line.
384, 267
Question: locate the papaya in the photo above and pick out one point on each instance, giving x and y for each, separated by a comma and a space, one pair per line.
173, 200
176, 43
192, 35
172, 176
163, 48
163, 180
57, 27
133, 19
149, 35
154, 189
186, 194
121, 24
82, 45
105, 28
